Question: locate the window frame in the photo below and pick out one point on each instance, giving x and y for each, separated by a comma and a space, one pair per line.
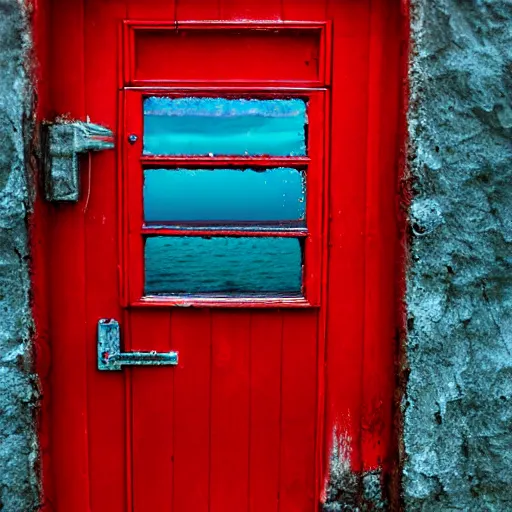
131, 176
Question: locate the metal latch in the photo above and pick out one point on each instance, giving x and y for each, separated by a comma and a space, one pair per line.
110, 356
63, 142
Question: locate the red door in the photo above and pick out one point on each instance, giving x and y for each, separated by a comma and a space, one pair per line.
225, 233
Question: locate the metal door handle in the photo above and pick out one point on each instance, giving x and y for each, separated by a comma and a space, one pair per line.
110, 356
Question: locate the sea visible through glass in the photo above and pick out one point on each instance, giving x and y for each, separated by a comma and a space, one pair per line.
223, 265
220, 126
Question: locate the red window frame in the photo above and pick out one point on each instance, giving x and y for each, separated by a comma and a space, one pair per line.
132, 216
131, 28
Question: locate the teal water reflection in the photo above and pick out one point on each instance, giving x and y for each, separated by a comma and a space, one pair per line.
220, 126
223, 265
224, 196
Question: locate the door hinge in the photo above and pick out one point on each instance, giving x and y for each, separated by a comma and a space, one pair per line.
62, 143
110, 356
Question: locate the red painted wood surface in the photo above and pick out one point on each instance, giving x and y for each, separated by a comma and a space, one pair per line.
246, 420
66, 294
156, 53
381, 227
347, 187
107, 474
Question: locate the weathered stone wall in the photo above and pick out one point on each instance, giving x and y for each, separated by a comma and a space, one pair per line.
458, 414
19, 490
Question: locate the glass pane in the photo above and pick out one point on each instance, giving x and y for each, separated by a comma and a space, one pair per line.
220, 126
223, 265
224, 197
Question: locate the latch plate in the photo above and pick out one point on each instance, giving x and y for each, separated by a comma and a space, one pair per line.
111, 358
63, 142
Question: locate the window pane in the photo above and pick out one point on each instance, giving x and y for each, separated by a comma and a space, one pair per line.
220, 126
224, 197
223, 265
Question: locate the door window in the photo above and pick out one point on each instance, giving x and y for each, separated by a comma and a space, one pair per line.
220, 126
225, 202
223, 265
263, 198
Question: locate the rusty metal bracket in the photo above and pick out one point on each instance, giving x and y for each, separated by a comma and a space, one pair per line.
63, 142
110, 356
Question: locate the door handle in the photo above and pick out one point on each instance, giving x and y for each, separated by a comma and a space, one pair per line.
110, 356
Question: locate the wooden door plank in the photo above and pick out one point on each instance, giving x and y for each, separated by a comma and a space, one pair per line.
191, 337
303, 10
197, 10
381, 235
229, 436
68, 380
265, 410
250, 10
298, 410
152, 392
106, 392
345, 299
157, 10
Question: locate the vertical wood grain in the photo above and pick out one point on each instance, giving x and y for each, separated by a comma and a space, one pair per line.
191, 337
345, 298
381, 235
234, 426
152, 414
265, 410
157, 10
298, 411
229, 436
250, 10
303, 10
197, 10
68, 382
106, 392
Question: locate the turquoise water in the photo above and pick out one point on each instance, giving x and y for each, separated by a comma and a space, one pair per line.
274, 197
224, 196
220, 126
223, 265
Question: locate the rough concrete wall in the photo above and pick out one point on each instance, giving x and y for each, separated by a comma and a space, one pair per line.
18, 388
458, 415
